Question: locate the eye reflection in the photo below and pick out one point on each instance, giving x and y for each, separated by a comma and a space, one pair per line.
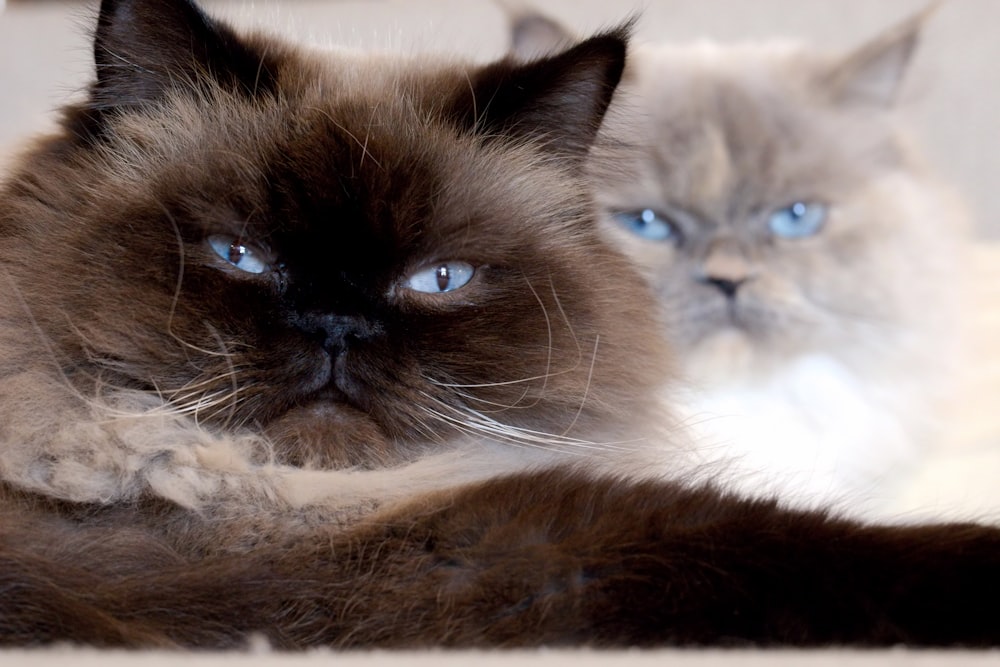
648, 224
441, 278
243, 257
799, 220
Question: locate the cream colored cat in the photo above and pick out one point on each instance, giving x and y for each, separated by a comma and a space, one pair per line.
804, 254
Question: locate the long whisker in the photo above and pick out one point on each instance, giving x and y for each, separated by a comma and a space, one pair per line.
502, 407
191, 387
234, 383
548, 350
364, 147
207, 402
544, 377
177, 288
470, 420
569, 324
586, 389
464, 427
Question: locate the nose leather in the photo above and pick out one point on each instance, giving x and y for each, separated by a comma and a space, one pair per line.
724, 285
725, 266
336, 332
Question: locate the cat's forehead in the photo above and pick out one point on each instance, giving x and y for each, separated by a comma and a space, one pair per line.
345, 93
347, 137
731, 126
750, 97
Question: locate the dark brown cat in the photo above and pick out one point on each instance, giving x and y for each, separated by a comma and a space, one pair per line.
327, 348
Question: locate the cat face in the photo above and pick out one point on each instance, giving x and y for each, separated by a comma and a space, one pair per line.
768, 194
357, 257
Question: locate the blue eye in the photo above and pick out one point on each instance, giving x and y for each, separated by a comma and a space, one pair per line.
797, 221
648, 224
243, 257
441, 278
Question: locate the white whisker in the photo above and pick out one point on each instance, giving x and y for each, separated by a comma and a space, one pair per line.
471, 429
502, 407
544, 377
472, 421
461, 385
586, 389
234, 383
177, 287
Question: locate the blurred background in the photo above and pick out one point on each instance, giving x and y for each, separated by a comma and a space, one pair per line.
952, 92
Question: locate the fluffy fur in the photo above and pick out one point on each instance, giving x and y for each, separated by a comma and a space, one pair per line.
329, 350
816, 363
139, 334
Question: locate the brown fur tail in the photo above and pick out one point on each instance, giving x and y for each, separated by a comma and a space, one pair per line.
545, 559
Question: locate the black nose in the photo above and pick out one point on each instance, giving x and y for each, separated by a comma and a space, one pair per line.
727, 286
336, 332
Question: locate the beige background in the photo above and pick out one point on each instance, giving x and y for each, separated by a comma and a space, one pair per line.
952, 95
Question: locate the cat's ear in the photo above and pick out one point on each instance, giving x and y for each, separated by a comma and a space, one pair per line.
558, 101
871, 75
533, 34
142, 48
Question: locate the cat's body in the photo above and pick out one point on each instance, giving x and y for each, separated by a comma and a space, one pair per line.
806, 258
329, 350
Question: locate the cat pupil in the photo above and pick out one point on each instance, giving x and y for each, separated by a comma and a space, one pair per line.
798, 220
236, 252
245, 258
648, 224
443, 277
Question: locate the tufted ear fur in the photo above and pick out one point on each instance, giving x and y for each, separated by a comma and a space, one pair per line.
143, 48
558, 101
871, 75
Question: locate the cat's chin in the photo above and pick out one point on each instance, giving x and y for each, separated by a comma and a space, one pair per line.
327, 432
732, 355
709, 317
731, 339
330, 394
715, 356
329, 380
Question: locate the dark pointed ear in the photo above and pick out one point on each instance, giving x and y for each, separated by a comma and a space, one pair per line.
533, 34
871, 75
557, 101
142, 48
